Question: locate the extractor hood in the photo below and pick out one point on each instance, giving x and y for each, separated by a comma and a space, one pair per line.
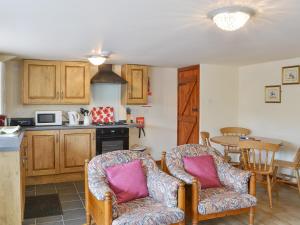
105, 74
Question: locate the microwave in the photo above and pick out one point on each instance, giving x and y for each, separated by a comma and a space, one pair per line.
48, 118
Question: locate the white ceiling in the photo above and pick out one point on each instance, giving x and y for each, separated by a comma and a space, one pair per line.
154, 32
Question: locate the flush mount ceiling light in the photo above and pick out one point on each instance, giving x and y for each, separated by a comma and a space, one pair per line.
231, 18
98, 58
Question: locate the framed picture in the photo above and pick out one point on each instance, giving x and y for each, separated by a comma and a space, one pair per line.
290, 75
273, 94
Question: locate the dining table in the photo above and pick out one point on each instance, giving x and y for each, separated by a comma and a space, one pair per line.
233, 141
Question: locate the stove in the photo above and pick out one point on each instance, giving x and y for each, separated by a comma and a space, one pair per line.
111, 139
111, 124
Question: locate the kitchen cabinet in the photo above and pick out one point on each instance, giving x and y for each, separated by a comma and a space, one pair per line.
56, 82
41, 82
58, 155
75, 147
75, 83
43, 152
12, 183
135, 92
23, 167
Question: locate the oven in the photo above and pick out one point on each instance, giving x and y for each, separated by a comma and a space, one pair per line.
111, 139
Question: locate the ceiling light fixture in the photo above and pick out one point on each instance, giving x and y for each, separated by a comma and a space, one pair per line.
231, 18
98, 58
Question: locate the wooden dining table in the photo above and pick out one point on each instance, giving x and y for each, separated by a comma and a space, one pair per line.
233, 141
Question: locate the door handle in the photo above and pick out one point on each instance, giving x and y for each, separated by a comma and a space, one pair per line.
195, 109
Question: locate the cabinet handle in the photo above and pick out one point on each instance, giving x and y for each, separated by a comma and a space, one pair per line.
56, 138
62, 95
57, 94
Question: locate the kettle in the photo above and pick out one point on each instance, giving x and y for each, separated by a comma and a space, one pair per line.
73, 118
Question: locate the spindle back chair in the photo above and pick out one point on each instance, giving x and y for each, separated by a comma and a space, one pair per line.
258, 157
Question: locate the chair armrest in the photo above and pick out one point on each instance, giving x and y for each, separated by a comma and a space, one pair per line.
234, 178
99, 188
163, 188
181, 174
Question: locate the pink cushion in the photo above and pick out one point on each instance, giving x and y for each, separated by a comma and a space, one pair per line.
128, 181
203, 167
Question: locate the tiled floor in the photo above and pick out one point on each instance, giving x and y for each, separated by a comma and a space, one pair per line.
285, 211
72, 200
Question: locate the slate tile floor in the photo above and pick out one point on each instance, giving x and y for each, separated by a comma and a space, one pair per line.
71, 196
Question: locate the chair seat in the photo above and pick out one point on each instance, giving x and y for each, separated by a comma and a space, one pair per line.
285, 164
215, 200
147, 211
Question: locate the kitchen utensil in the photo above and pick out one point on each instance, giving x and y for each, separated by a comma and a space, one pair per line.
86, 120
73, 118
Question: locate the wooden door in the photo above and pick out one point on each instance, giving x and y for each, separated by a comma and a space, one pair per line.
43, 152
75, 83
75, 147
41, 82
135, 92
188, 105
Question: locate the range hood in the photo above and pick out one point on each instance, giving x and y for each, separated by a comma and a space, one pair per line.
105, 74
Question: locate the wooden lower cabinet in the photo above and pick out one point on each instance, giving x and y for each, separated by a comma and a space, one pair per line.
75, 147
58, 155
23, 166
43, 152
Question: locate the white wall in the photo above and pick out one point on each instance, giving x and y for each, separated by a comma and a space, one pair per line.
218, 98
2, 71
272, 120
161, 118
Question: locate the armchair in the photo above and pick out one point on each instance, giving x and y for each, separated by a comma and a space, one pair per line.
236, 196
164, 205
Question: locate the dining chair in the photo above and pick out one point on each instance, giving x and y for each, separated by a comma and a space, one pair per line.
258, 157
294, 166
205, 138
164, 205
233, 131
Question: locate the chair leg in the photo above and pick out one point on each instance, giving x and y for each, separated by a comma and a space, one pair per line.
298, 179
269, 190
274, 178
226, 154
251, 216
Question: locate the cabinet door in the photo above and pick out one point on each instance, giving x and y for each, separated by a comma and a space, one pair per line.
135, 92
43, 152
75, 83
41, 82
75, 147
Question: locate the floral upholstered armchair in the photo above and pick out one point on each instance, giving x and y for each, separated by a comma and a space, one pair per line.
164, 205
237, 194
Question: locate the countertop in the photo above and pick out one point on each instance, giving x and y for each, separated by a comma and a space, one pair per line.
67, 127
13, 142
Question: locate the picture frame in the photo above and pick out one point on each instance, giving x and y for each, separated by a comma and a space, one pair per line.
291, 75
273, 94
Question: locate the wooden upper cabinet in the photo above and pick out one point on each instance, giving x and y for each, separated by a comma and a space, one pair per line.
75, 83
43, 152
41, 82
56, 82
135, 92
75, 147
